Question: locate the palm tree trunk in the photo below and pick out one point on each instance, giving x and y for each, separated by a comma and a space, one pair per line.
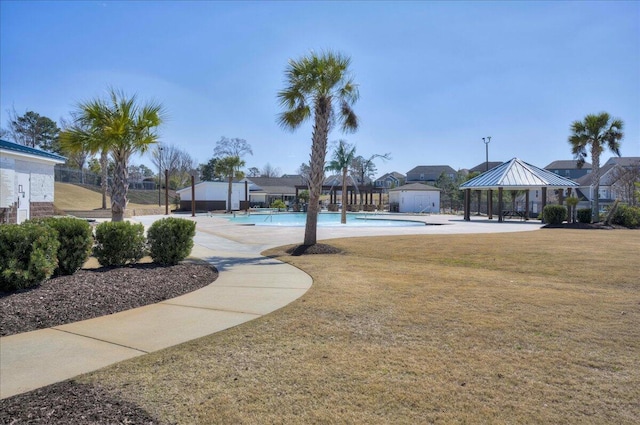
104, 183
343, 214
120, 188
596, 149
318, 154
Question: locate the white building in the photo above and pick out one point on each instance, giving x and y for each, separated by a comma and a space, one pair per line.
212, 196
415, 198
26, 182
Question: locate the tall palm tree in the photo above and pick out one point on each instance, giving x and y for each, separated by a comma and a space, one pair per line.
120, 126
229, 167
340, 161
595, 132
318, 85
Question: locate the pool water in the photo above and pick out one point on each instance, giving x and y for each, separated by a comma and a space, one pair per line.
324, 219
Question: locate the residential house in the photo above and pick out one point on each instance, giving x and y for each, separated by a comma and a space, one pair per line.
26, 182
569, 169
390, 180
429, 174
617, 178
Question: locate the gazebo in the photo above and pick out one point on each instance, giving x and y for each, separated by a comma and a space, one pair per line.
513, 175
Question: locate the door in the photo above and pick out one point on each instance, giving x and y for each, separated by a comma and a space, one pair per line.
24, 196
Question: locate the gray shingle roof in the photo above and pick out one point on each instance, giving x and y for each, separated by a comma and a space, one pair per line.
571, 164
517, 174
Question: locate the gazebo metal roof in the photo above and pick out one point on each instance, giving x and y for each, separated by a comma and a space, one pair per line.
517, 175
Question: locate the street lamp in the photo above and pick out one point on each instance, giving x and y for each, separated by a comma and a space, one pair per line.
486, 141
159, 174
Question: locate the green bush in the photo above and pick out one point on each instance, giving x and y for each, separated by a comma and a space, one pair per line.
27, 255
554, 214
171, 240
76, 239
119, 243
627, 216
584, 215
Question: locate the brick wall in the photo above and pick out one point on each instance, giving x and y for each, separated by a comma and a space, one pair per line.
8, 215
41, 209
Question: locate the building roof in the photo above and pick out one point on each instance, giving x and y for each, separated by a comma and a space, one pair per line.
516, 175
571, 164
276, 185
431, 172
414, 187
393, 174
624, 161
587, 180
482, 167
27, 151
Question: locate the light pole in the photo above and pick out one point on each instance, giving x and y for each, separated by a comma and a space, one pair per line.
486, 141
159, 175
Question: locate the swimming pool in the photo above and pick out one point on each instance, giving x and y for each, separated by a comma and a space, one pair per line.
324, 219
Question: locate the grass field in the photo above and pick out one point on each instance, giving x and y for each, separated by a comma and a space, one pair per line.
74, 197
521, 328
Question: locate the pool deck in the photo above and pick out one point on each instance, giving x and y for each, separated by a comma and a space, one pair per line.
248, 287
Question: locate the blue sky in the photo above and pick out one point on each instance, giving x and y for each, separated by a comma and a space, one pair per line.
435, 77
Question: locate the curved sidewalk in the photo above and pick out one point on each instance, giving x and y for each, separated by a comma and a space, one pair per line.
248, 287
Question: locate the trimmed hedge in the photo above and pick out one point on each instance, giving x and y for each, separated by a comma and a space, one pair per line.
584, 215
27, 255
119, 243
171, 240
76, 239
554, 214
627, 216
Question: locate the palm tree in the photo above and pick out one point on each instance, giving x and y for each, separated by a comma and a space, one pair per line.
342, 158
318, 85
120, 126
229, 167
597, 132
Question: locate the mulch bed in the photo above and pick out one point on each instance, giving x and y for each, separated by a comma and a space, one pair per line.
580, 226
98, 292
84, 295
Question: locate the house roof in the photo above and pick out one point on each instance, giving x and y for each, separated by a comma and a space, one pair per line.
414, 187
587, 180
431, 172
517, 174
393, 174
482, 167
625, 161
571, 164
6, 146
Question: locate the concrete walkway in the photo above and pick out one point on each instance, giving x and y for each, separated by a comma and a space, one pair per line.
248, 287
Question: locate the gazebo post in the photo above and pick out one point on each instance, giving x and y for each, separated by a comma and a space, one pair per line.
490, 204
500, 207
467, 205
544, 200
526, 206
479, 200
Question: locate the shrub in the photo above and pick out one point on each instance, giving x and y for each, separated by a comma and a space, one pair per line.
171, 240
627, 216
119, 243
584, 215
76, 239
554, 214
279, 204
27, 255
